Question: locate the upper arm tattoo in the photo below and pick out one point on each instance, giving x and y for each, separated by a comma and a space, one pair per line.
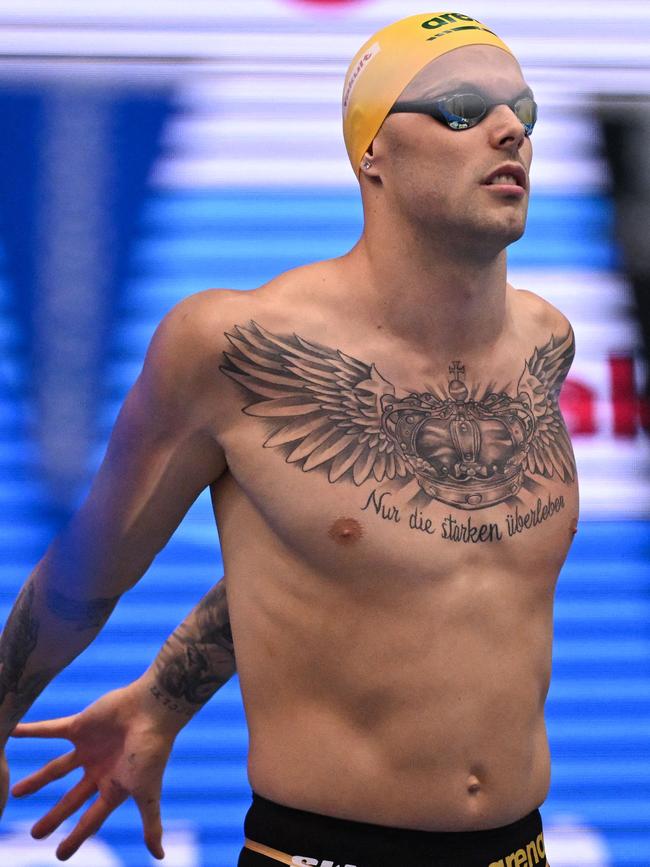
467, 446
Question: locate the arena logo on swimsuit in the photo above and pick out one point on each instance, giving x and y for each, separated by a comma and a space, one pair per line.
524, 857
314, 862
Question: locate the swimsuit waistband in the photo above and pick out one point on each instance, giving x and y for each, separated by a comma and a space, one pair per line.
286, 835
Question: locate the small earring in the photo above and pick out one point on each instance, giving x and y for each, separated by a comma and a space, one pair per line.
367, 164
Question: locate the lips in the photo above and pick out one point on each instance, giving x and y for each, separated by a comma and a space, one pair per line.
509, 174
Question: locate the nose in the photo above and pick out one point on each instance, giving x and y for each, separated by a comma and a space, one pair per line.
506, 130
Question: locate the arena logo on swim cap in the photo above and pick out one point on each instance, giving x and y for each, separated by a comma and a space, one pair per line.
373, 51
448, 18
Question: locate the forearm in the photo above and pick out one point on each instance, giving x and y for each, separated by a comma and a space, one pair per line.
44, 632
195, 661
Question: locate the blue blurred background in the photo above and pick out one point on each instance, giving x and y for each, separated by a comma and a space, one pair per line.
151, 150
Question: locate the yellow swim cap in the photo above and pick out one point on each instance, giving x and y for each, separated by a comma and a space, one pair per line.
390, 59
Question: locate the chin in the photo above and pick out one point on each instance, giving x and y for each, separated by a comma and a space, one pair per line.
503, 232
514, 234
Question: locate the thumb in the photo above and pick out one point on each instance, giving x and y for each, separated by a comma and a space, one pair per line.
149, 807
49, 728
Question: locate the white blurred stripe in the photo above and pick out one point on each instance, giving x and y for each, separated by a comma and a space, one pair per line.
262, 171
603, 498
282, 126
270, 169
600, 50
565, 150
613, 476
587, 296
210, 84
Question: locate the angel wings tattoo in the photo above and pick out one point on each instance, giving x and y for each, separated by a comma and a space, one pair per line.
466, 448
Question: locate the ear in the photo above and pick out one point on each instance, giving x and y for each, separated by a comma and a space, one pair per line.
367, 167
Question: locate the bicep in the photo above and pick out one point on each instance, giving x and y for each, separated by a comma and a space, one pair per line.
160, 456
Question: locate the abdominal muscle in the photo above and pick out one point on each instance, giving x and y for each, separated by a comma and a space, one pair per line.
335, 770
423, 712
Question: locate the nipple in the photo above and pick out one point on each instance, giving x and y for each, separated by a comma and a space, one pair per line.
345, 531
574, 527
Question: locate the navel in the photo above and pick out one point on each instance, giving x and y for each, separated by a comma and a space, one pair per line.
474, 784
345, 531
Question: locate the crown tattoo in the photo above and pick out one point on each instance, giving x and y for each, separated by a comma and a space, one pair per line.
468, 450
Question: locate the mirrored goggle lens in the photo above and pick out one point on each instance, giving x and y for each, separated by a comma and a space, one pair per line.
526, 110
463, 110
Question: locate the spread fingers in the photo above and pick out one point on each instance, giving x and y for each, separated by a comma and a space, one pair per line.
53, 770
68, 805
88, 824
152, 825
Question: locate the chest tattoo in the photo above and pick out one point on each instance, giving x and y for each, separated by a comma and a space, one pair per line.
467, 447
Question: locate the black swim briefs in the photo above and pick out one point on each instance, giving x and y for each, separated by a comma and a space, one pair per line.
282, 835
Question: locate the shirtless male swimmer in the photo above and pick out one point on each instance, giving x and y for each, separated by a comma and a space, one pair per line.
395, 493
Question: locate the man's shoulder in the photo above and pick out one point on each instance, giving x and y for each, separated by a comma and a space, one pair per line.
184, 350
198, 317
202, 313
540, 313
195, 330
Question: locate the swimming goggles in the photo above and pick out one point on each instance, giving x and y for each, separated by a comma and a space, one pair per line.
464, 110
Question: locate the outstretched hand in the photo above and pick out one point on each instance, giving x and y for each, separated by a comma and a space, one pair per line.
122, 753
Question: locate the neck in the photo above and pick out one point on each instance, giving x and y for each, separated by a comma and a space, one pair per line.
431, 295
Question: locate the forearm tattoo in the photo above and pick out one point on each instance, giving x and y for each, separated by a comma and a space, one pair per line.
83, 613
17, 643
22, 677
198, 658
